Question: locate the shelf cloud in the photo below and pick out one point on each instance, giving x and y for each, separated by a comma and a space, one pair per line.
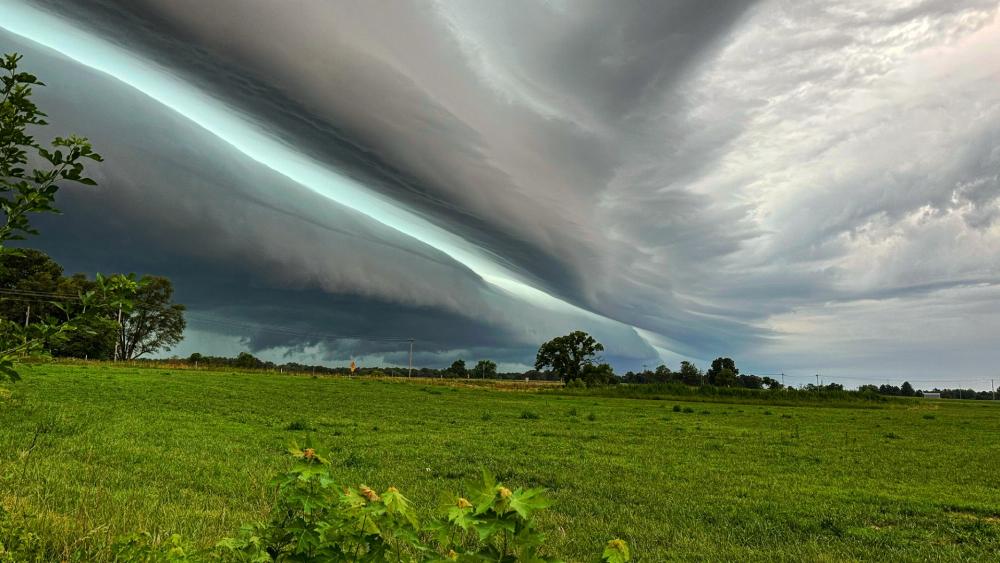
803, 186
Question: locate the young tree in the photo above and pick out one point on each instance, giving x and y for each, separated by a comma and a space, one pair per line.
25, 190
485, 369
567, 355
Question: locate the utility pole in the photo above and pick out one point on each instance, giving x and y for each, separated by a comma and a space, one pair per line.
120, 331
410, 373
994, 386
817, 380
27, 316
782, 380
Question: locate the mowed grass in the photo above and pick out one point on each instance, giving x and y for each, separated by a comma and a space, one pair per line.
118, 450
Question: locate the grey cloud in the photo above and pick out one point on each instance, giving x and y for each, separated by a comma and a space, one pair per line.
701, 171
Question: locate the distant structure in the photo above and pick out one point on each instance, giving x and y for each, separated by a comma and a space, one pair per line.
932, 395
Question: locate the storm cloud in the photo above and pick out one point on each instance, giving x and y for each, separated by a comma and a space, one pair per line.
799, 185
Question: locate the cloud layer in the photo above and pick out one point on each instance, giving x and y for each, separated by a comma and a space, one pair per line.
797, 185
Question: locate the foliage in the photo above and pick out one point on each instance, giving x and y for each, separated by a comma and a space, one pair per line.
25, 191
485, 369
723, 372
597, 374
152, 322
317, 519
567, 355
457, 368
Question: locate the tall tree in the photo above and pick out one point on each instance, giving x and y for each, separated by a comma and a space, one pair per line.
152, 323
567, 355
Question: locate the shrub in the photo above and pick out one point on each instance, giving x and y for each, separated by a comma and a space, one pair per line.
688, 410
529, 415
317, 519
677, 408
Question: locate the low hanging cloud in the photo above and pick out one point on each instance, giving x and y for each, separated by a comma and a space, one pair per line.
684, 179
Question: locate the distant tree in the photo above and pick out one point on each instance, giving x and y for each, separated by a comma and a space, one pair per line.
718, 365
246, 360
690, 374
153, 322
485, 369
771, 383
598, 374
724, 378
889, 390
457, 368
567, 355
750, 381
907, 390
662, 374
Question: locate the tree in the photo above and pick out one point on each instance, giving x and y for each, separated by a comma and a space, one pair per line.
246, 360
662, 374
485, 369
567, 355
690, 374
598, 374
718, 365
724, 378
771, 383
25, 191
457, 368
93, 337
152, 323
907, 390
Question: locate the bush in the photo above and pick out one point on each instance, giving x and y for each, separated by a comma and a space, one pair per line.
529, 415
677, 408
317, 519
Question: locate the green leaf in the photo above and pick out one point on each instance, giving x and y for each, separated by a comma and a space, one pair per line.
525, 502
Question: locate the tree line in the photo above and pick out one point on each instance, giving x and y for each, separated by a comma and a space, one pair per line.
117, 317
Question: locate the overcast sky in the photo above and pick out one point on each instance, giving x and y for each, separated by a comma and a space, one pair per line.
808, 187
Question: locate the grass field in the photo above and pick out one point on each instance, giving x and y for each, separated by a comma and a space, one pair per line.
90, 453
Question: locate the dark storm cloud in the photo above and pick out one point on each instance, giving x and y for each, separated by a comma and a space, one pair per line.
758, 179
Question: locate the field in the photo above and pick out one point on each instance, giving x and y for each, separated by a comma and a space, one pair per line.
89, 453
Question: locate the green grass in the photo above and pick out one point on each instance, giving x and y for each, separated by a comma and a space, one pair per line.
118, 450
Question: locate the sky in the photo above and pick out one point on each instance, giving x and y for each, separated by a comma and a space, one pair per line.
807, 187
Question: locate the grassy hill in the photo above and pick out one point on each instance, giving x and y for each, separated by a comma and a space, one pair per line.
89, 453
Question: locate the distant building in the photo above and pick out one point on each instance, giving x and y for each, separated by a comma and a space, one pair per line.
932, 395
